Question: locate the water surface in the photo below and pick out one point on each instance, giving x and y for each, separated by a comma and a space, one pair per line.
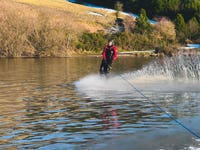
62, 103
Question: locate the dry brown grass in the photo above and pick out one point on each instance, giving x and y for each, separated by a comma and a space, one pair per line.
77, 15
44, 27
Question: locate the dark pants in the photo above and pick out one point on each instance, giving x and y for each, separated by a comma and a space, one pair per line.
105, 67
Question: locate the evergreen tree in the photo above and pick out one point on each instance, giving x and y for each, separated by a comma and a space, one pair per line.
158, 6
181, 27
142, 24
189, 8
193, 28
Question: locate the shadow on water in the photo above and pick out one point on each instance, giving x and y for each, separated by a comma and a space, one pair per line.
63, 103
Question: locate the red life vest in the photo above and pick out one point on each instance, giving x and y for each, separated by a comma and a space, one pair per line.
110, 53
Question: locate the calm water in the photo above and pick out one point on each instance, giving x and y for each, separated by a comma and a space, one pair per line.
62, 103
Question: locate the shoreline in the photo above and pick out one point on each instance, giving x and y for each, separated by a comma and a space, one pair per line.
145, 53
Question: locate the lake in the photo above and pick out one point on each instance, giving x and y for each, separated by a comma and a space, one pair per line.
63, 103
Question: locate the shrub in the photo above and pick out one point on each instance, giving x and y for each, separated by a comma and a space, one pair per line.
92, 41
38, 32
166, 29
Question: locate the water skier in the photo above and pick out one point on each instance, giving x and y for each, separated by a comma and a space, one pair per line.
109, 54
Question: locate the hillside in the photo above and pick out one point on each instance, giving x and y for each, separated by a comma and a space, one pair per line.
77, 16
184, 13
58, 28
46, 27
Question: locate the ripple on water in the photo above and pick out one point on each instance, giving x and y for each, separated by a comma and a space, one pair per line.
46, 112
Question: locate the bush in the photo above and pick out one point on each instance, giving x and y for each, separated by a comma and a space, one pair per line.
134, 41
166, 29
124, 40
92, 41
38, 32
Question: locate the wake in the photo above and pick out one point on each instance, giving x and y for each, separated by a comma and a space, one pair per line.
177, 74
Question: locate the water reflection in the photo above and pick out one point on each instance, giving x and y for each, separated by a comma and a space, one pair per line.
110, 119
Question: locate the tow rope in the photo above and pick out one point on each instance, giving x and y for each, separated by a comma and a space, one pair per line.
161, 109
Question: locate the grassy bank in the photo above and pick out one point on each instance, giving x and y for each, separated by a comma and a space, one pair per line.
57, 28
44, 28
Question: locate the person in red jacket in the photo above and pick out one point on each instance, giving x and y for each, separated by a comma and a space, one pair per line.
109, 54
